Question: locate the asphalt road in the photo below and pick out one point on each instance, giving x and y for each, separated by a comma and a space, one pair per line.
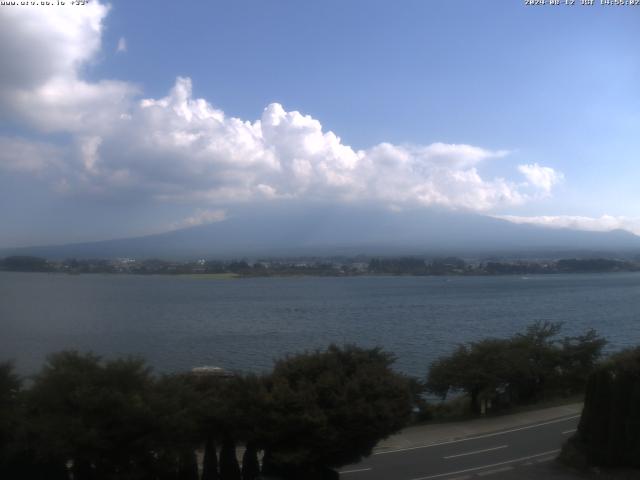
498, 454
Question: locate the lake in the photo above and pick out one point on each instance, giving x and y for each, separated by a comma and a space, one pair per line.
177, 323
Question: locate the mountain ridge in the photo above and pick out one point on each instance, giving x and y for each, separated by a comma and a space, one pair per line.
345, 230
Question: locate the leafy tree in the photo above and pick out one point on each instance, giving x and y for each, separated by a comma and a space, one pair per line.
114, 420
18, 457
534, 361
228, 405
93, 413
479, 369
329, 408
519, 369
177, 429
10, 386
9, 390
579, 357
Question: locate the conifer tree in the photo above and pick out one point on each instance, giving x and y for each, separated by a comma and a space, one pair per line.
210, 460
609, 430
250, 464
188, 466
229, 468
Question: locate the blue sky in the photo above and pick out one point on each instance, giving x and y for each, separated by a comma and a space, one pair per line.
488, 106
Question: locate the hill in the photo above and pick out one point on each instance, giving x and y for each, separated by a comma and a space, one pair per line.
348, 230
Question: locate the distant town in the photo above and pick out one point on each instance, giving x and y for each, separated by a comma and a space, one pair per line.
340, 266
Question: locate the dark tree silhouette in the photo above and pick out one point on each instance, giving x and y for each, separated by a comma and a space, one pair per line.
609, 430
329, 408
521, 369
210, 460
250, 464
94, 413
229, 468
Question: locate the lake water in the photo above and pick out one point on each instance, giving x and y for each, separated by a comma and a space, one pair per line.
180, 322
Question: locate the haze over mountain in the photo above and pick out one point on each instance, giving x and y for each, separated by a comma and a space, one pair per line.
292, 230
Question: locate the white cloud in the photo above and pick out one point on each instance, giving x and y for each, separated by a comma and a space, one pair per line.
41, 43
42, 53
201, 217
182, 149
543, 178
122, 45
604, 223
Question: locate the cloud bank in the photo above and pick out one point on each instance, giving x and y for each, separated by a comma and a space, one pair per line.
604, 223
180, 148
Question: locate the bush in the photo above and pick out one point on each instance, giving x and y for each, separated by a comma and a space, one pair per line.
609, 430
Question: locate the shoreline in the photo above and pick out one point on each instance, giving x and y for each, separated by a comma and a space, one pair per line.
234, 276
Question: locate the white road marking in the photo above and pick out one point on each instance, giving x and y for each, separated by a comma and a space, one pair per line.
567, 432
495, 470
482, 467
355, 471
449, 442
476, 451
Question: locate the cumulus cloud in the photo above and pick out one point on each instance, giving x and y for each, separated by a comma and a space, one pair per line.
42, 53
543, 178
179, 148
41, 43
604, 223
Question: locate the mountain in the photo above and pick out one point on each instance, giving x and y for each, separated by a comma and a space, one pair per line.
288, 230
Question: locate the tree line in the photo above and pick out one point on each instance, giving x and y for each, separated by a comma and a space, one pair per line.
84, 417
88, 418
525, 368
416, 266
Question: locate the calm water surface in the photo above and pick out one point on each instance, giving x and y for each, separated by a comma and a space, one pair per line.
180, 322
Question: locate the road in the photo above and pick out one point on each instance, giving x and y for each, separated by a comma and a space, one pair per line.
497, 454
